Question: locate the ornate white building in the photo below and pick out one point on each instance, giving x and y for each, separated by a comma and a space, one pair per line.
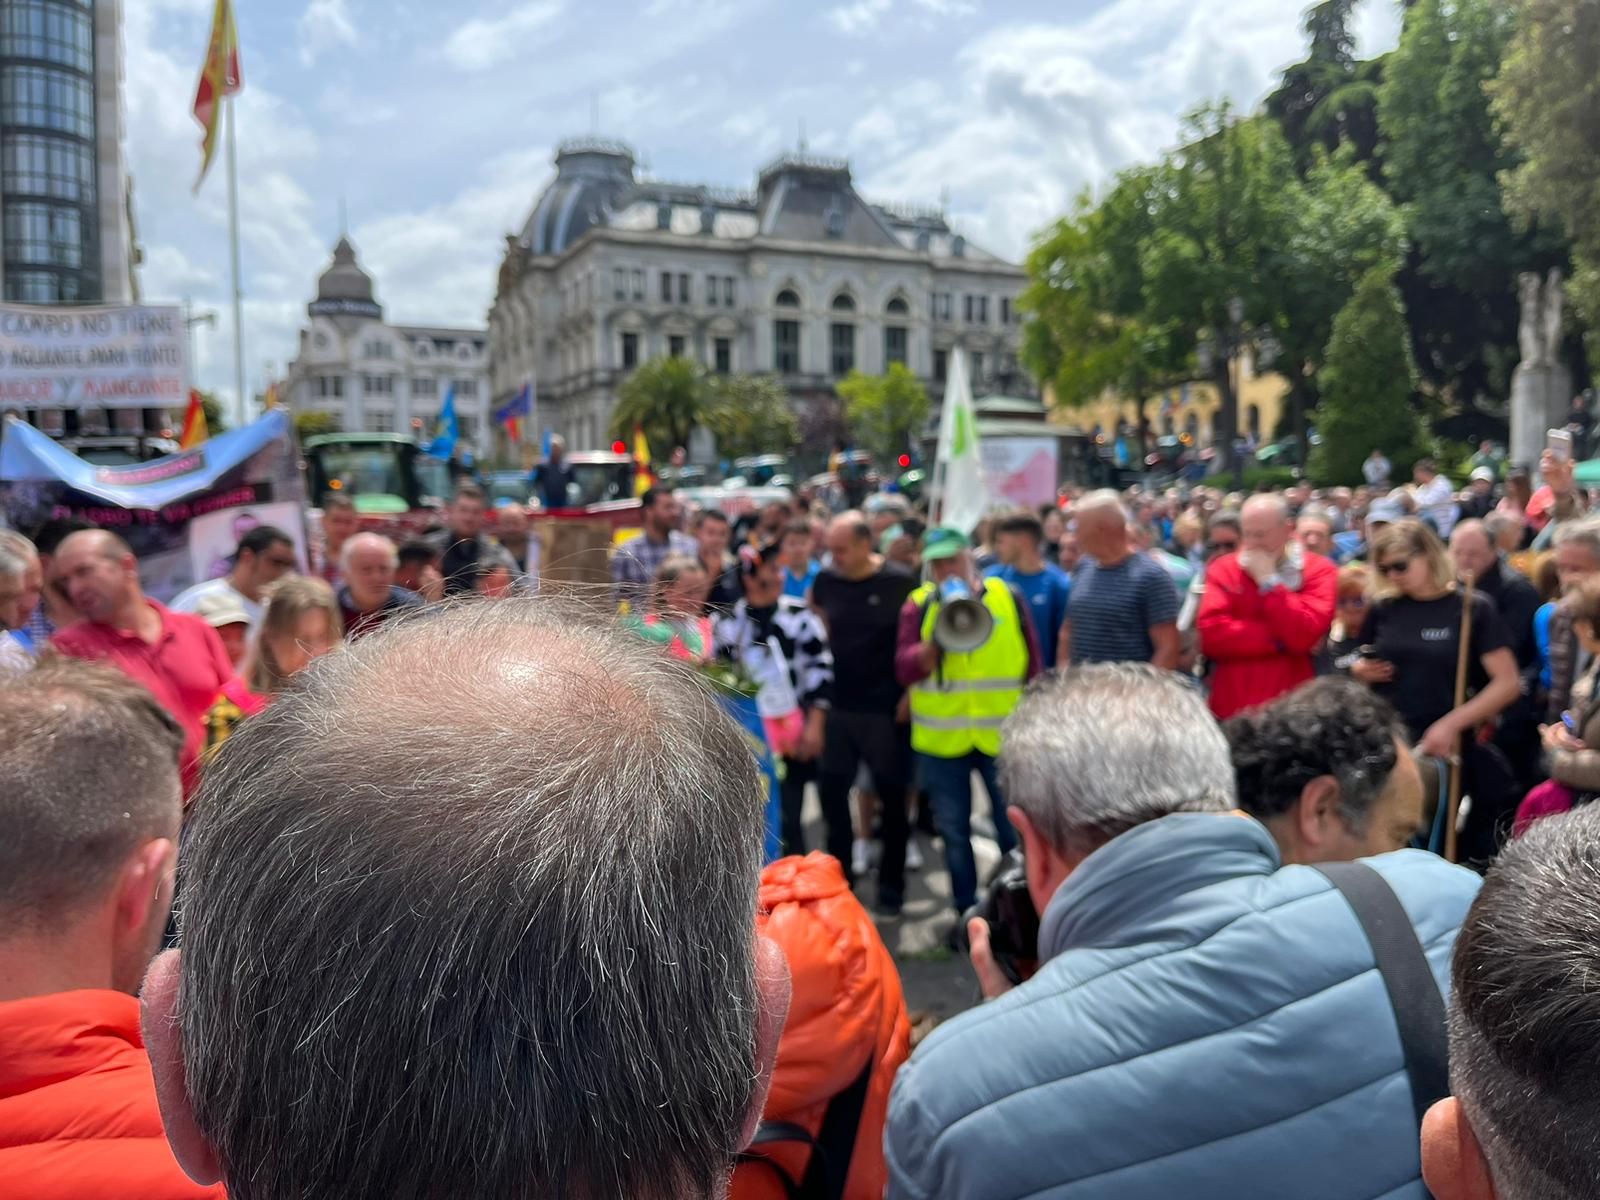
380, 378
801, 278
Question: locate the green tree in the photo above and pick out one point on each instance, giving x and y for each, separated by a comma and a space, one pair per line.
1367, 382
310, 424
1443, 158
1090, 332
1330, 100
1344, 227
751, 414
215, 422
1221, 209
886, 413
1547, 97
667, 398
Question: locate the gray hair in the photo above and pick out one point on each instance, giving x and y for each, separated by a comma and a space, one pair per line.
17, 554
89, 773
1497, 523
1585, 533
362, 541
1091, 753
1320, 516
1268, 500
1523, 1009
492, 873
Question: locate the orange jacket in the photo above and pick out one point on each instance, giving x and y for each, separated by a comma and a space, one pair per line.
847, 1007
78, 1114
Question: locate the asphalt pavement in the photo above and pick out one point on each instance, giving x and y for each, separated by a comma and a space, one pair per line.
938, 983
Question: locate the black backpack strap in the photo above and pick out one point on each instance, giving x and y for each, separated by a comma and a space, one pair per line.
1413, 991
831, 1149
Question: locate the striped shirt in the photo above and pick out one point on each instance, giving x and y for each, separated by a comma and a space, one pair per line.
1113, 609
636, 561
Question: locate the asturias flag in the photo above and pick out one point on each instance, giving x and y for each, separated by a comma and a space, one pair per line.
513, 414
220, 77
195, 429
446, 430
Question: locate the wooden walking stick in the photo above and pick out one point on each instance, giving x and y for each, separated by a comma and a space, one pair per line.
1463, 660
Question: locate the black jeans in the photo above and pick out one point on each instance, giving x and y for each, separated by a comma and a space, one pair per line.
876, 740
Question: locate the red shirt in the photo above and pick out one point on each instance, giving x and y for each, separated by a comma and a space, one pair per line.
1260, 643
184, 669
78, 1113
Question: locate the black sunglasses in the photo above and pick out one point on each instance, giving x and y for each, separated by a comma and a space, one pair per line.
1399, 567
1225, 547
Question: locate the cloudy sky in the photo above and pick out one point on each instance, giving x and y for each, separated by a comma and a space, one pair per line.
435, 123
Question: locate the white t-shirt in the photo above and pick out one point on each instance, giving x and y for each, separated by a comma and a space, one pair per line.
189, 601
1437, 499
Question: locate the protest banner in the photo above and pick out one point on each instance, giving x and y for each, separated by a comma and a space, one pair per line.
129, 356
175, 512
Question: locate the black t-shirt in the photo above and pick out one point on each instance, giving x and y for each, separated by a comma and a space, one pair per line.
1422, 638
863, 620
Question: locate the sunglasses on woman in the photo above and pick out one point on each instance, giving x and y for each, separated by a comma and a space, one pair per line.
1222, 547
1396, 568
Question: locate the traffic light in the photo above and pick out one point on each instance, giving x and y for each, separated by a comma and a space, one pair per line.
619, 447
905, 462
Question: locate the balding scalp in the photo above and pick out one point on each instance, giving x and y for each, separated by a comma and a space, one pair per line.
492, 871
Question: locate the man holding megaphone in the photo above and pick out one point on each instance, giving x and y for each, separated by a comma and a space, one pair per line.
966, 649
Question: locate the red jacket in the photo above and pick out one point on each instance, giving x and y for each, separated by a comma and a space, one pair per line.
1260, 643
847, 1007
78, 1114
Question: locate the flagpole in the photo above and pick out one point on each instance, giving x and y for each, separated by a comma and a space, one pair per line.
238, 286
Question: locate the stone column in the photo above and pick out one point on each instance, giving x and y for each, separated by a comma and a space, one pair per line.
1540, 396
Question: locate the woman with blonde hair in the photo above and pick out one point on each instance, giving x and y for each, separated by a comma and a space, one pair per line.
1349, 618
301, 623
1411, 643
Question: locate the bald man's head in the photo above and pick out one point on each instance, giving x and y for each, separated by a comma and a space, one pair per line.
1265, 525
1473, 549
99, 573
467, 865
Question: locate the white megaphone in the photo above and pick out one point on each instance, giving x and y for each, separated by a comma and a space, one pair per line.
964, 622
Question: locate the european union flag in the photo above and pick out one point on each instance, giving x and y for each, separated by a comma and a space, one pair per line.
446, 430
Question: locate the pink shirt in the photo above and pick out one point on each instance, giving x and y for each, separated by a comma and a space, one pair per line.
184, 669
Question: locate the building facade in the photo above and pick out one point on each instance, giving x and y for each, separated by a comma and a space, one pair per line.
802, 279
66, 227
374, 377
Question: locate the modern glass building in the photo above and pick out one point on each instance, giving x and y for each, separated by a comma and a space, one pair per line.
64, 229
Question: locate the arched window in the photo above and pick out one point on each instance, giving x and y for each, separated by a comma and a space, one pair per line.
844, 302
787, 299
899, 308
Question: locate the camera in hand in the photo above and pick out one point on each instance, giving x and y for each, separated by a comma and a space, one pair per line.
1013, 921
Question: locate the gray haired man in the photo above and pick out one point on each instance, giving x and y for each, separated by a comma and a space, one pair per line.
471, 912
1524, 1120
1207, 1023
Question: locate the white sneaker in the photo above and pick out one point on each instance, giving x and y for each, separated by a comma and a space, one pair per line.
861, 857
913, 856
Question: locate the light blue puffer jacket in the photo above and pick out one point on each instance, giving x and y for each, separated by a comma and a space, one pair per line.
1209, 1025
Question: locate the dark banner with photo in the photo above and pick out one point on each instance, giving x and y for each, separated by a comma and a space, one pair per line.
182, 514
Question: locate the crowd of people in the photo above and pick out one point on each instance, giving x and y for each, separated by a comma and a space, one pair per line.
473, 899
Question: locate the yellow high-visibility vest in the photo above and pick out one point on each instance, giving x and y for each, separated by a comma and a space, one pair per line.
961, 706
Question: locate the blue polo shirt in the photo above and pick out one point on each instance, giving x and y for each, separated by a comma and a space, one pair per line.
1046, 594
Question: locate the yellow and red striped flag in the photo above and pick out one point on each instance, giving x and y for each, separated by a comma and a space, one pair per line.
644, 477
220, 77
195, 429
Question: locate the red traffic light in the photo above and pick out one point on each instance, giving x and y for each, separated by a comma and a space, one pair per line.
905, 462
619, 447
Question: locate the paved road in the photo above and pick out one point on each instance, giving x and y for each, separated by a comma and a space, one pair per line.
938, 984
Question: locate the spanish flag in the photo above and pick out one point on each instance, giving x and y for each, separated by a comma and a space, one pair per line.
220, 77
194, 424
644, 478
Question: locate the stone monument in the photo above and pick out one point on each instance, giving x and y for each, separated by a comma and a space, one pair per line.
1541, 387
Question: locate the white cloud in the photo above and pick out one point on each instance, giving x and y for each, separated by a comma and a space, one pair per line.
860, 17
324, 25
485, 42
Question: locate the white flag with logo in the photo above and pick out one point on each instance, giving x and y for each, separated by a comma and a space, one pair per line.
963, 496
